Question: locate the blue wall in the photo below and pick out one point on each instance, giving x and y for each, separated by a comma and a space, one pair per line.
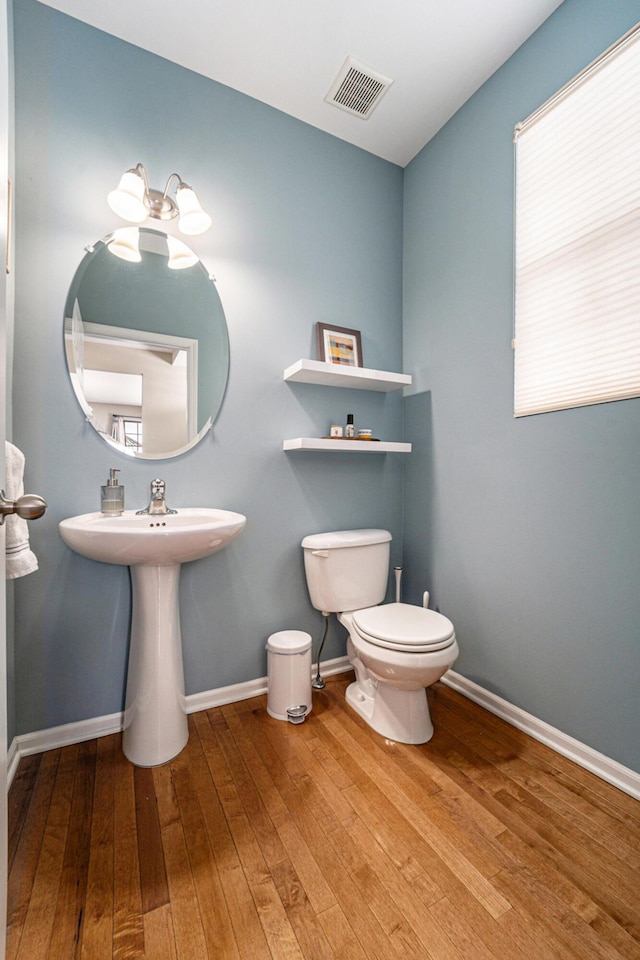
306, 229
528, 530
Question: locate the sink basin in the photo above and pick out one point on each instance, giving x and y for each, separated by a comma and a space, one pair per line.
133, 539
154, 724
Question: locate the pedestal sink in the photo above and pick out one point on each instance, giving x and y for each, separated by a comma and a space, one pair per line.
154, 547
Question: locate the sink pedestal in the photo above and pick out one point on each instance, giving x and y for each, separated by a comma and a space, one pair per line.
155, 719
153, 546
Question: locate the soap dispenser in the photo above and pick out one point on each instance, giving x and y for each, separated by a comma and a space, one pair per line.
112, 495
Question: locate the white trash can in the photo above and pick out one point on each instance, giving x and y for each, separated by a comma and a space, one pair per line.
289, 675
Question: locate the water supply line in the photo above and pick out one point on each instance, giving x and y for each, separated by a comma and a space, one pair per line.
398, 573
318, 683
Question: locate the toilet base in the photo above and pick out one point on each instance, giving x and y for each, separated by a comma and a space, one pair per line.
401, 715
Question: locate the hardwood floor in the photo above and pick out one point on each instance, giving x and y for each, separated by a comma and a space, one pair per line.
268, 841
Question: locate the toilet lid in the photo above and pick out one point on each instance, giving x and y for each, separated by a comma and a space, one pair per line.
405, 625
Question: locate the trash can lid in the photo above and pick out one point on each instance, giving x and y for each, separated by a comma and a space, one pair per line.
289, 641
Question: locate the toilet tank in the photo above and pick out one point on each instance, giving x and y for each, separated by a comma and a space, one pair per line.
347, 569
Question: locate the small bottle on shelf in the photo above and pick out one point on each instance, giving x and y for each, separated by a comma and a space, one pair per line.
350, 430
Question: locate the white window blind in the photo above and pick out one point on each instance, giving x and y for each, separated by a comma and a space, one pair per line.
577, 240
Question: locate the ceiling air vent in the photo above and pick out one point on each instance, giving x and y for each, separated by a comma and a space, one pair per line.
358, 89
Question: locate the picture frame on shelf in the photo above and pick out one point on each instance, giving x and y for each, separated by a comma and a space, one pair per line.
339, 345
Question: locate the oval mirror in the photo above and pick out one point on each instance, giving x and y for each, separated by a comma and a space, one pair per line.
146, 343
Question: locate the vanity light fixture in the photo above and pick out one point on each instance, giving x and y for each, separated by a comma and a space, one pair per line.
135, 200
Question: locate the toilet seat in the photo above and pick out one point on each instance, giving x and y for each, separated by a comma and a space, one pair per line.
403, 626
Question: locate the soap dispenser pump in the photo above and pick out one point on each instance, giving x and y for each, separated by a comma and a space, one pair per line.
112, 495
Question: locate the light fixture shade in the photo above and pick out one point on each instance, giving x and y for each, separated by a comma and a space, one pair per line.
128, 199
180, 256
125, 244
193, 219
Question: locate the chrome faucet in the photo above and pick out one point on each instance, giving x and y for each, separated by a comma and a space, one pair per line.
157, 503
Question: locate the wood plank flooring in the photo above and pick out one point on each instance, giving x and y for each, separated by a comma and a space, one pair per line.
268, 841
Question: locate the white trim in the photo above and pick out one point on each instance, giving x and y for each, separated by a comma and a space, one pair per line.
67, 733
152, 340
148, 340
29, 743
13, 759
604, 767
231, 694
610, 770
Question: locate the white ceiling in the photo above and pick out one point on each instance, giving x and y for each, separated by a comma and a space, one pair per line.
287, 53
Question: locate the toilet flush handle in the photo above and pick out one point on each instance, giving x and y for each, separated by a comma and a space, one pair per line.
319, 553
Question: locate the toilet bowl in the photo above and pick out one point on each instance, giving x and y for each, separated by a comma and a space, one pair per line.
396, 649
410, 649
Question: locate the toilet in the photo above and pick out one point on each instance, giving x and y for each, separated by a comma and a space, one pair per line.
396, 649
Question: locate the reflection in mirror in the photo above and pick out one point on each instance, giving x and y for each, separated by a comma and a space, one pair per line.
146, 343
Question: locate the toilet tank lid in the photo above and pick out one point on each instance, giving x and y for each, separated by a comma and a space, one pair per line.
345, 538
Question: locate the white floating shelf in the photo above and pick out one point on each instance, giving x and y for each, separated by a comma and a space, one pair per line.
356, 378
346, 446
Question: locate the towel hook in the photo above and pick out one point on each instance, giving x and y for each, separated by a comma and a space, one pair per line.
29, 506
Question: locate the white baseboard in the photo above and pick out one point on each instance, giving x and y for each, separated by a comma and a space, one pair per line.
604, 767
253, 688
610, 770
41, 740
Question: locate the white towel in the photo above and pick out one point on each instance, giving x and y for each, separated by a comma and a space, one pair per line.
20, 558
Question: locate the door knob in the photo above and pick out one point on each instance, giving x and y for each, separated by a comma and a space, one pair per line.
30, 506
